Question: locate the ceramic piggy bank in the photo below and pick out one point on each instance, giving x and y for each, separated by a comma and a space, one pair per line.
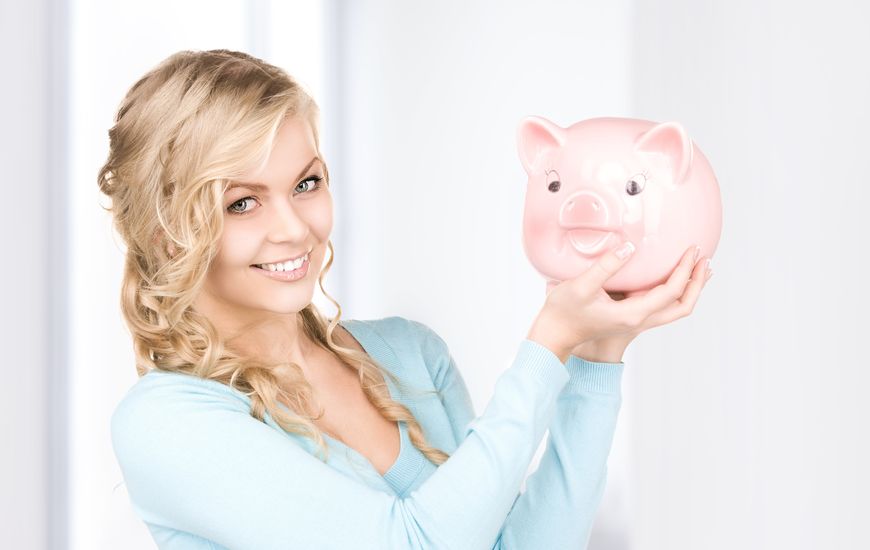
603, 181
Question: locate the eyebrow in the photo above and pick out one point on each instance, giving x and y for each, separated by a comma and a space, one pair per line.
265, 188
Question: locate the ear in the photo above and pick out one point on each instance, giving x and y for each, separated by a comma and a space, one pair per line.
170, 246
670, 140
536, 136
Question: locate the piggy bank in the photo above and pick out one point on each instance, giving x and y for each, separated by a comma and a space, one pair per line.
603, 181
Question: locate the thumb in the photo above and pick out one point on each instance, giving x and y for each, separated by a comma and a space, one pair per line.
611, 262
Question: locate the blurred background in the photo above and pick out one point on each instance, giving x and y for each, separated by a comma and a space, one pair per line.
743, 425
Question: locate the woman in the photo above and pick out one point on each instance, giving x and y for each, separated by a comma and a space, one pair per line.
258, 423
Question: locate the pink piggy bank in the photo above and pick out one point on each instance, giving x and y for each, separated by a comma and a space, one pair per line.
603, 181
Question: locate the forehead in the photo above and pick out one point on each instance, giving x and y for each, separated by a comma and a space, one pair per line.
294, 152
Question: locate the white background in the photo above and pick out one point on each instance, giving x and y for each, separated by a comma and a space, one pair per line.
743, 426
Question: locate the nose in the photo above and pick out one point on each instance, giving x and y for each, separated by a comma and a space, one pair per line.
285, 224
583, 208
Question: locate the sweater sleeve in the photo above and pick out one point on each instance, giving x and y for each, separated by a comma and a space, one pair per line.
194, 460
562, 496
558, 506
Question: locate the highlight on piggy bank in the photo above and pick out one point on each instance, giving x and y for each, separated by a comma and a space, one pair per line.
602, 181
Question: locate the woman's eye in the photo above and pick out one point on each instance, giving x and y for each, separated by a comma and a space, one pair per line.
314, 180
233, 210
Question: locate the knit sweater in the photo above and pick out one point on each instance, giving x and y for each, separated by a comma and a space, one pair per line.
202, 473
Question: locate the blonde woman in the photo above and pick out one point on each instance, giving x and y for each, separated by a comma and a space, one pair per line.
258, 423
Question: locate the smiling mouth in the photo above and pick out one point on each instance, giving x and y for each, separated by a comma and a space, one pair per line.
588, 241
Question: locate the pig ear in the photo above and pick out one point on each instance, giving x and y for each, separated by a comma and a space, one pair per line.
535, 137
668, 139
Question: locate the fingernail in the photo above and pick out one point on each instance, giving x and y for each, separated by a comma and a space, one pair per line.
697, 252
623, 251
707, 267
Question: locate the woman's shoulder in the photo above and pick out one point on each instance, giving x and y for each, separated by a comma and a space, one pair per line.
400, 333
412, 342
160, 384
381, 324
162, 396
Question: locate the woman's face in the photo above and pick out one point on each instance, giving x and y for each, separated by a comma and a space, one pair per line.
282, 212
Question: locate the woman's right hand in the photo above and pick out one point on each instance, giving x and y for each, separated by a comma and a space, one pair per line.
579, 310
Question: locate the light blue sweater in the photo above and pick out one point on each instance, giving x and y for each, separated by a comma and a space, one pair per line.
204, 474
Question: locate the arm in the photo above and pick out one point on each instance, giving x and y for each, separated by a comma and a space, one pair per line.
195, 460
561, 497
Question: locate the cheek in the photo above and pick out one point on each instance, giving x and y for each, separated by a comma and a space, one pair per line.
237, 246
321, 220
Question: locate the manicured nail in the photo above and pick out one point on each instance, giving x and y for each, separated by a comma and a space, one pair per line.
623, 251
707, 267
697, 252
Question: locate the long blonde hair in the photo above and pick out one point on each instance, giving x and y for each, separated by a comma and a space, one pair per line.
183, 130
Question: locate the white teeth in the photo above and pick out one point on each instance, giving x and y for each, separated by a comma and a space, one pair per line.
286, 266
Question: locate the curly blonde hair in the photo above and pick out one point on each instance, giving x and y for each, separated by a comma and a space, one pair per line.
195, 121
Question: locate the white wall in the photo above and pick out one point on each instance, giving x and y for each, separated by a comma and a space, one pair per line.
26, 109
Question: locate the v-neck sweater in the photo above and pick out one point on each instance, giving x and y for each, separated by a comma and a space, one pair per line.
202, 473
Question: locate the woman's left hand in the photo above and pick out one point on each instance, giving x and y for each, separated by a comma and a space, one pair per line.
610, 349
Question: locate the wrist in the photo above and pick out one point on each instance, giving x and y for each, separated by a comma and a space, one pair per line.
601, 351
543, 333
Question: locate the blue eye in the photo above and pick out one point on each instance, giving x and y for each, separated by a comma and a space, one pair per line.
315, 180
232, 210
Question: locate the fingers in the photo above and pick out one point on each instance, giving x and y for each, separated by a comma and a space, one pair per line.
607, 266
673, 288
683, 306
662, 296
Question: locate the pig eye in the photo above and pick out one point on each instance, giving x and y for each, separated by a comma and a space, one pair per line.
636, 184
553, 179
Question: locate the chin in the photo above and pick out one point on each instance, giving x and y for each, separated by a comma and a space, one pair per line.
285, 308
